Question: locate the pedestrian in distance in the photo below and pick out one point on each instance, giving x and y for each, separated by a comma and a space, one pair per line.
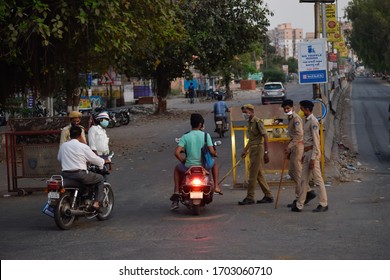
294, 150
191, 92
75, 119
257, 148
311, 160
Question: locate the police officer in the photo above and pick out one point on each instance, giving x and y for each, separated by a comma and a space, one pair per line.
257, 147
311, 160
294, 149
75, 119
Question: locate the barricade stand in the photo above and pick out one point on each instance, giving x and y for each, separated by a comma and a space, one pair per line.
31, 151
275, 122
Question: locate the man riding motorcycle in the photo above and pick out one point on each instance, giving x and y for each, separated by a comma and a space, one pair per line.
74, 156
191, 144
220, 109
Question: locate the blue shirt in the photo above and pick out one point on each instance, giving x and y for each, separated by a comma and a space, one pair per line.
220, 108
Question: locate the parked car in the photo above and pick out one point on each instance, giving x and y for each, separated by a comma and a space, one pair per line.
273, 92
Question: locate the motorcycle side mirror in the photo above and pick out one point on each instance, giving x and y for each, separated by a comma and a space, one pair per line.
218, 143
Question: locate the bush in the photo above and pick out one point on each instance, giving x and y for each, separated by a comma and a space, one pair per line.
273, 75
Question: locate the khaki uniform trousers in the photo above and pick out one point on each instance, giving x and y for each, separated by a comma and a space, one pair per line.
295, 167
256, 171
316, 175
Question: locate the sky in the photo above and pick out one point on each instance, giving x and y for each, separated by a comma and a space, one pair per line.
300, 15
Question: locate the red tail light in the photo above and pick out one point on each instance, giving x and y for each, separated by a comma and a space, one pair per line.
54, 185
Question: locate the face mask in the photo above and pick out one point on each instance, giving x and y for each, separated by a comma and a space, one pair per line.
245, 116
104, 123
301, 114
288, 113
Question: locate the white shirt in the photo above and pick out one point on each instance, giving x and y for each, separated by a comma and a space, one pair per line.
74, 155
98, 140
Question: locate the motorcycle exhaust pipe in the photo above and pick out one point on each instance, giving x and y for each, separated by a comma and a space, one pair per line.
75, 212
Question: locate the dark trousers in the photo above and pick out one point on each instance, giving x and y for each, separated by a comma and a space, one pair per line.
88, 179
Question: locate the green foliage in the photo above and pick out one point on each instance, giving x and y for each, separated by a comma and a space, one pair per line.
273, 75
41, 38
370, 35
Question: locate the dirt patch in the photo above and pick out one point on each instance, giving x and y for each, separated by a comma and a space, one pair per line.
344, 156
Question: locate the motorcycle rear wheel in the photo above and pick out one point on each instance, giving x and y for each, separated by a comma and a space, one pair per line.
125, 120
107, 203
64, 221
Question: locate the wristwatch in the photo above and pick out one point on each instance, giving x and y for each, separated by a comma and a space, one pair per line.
266, 152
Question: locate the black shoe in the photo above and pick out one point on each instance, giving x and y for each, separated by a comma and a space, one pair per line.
246, 201
295, 209
321, 209
310, 196
292, 204
266, 199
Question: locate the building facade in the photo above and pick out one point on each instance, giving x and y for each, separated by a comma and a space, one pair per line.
285, 39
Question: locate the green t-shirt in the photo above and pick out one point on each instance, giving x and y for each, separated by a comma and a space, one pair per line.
192, 142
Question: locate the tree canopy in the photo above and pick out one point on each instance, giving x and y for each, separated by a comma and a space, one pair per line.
370, 34
45, 44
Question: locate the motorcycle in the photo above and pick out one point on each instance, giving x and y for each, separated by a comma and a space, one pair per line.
68, 200
197, 187
3, 120
220, 126
125, 116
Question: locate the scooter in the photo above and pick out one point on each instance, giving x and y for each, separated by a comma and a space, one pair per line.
197, 188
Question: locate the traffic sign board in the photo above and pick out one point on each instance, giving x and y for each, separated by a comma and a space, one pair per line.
312, 61
106, 79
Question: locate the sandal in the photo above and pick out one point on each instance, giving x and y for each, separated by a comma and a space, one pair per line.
218, 192
96, 206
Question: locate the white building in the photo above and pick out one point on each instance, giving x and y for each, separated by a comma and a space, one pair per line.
285, 39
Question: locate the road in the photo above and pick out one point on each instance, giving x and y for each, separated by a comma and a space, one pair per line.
356, 227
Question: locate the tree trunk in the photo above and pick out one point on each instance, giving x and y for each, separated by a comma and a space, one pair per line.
163, 86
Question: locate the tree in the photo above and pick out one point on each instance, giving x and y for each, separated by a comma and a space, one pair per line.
221, 30
50, 43
370, 35
212, 32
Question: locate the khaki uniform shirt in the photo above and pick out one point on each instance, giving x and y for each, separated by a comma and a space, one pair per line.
256, 131
295, 130
65, 134
311, 136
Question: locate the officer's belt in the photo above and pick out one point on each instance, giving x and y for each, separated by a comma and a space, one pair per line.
307, 148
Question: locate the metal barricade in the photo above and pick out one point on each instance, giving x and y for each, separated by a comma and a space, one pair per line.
276, 123
31, 147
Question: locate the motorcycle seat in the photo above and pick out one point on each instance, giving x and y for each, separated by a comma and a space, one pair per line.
69, 183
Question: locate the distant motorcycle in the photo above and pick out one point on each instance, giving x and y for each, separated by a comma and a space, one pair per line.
220, 126
3, 120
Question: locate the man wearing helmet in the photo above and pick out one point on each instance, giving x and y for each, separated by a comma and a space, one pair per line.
75, 119
97, 136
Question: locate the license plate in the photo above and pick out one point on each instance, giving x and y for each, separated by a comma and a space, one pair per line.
53, 195
196, 195
218, 122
